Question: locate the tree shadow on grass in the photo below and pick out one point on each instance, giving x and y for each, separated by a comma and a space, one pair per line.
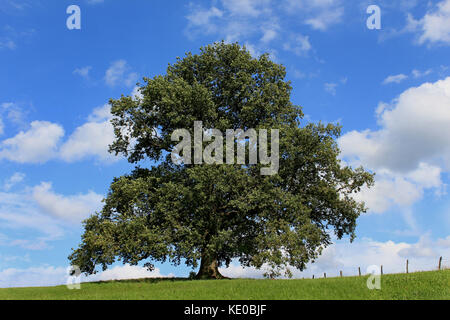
155, 280
142, 280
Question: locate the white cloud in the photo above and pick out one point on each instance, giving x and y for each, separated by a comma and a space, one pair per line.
36, 216
19, 212
414, 129
326, 18
43, 141
8, 259
70, 208
104, 112
127, 272
83, 72
395, 78
424, 248
444, 242
37, 145
419, 74
299, 74
202, 18
300, 45
10, 37
251, 21
131, 79
91, 139
422, 255
318, 14
403, 5
331, 88
14, 113
118, 74
270, 32
253, 50
16, 178
7, 44
251, 8
34, 276
136, 93
434, 27
409, 152
6, 105
400, 190
51, 276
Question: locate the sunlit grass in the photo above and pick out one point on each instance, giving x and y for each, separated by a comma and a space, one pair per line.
419, 285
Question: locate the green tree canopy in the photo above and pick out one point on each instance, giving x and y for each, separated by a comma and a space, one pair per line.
210, 214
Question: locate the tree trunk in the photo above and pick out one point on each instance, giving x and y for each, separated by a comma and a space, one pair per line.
209, 268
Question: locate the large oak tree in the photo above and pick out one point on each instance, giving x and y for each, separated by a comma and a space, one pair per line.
207, 215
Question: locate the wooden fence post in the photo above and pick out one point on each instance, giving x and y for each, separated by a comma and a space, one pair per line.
359, 271
313, 276
407, 266
340, 272
324, 275
440, 263
381, 269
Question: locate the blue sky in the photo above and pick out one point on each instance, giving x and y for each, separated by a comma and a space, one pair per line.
389, 88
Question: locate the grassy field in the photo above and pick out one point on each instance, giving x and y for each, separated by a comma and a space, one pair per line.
420, 285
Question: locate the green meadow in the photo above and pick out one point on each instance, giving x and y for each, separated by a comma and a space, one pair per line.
433, 285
